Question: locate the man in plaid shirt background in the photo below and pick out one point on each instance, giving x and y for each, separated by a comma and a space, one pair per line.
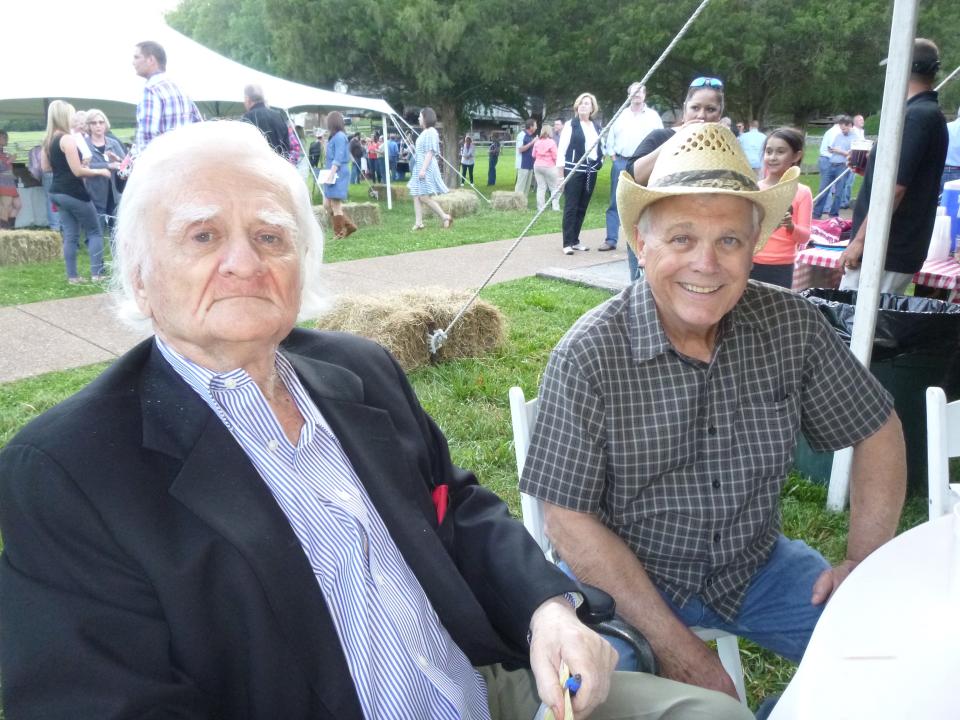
164, 106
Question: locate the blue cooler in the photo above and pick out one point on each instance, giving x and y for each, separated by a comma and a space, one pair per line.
951, 201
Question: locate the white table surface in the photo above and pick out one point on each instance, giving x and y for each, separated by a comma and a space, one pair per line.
888, 643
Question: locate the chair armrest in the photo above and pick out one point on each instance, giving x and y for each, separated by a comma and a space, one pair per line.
598, 612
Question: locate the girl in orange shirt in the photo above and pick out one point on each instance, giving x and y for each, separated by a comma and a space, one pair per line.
774, 263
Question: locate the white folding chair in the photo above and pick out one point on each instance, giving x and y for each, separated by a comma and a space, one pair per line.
943, 443
523, 413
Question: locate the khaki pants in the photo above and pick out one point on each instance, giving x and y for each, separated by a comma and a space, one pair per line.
523, 181
512, 695
548, 178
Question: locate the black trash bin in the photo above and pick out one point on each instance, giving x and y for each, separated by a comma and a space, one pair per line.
916, 345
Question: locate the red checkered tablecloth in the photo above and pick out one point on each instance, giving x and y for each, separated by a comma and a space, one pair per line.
943, 274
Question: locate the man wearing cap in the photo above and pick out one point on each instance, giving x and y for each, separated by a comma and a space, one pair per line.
668, 417
923, 150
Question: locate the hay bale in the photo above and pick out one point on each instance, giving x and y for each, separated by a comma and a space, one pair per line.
399, 189
459, 202
509, 200
21, 247
362, 214
402, 321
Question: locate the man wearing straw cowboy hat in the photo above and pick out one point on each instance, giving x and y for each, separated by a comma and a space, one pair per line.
669, 414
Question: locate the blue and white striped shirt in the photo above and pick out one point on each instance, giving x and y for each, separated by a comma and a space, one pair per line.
402, 661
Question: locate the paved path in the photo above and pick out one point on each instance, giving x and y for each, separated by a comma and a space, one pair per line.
63, 334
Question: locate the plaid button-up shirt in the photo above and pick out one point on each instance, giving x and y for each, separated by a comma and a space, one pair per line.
685, 460
162, 108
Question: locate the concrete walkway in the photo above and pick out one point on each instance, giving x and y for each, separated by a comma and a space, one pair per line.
64, 334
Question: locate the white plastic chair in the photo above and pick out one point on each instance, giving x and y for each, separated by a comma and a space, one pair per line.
523, 413
943, 443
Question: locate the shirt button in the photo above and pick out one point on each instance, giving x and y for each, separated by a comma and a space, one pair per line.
716, 484
230, 383
379, 579
708, 582
712, 430
272, 445
422, 662
716, 537
344, 495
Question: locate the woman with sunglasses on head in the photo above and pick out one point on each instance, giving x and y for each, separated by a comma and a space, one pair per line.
774, 263
704, 103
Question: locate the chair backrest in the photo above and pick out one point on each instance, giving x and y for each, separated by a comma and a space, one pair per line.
943, 443
523, 414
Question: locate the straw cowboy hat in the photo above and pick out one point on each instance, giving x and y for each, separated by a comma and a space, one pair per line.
706, 159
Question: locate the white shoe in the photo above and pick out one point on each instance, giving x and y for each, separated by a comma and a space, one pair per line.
582, 248
568, 251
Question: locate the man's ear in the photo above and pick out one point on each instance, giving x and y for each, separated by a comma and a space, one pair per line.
140, 293
638, 247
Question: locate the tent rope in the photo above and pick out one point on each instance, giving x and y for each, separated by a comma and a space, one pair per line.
437, 338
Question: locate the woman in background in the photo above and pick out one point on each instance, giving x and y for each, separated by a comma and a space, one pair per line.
338, 160
107, 153
579, 137
704, 103
545, 168
425, 178
468, 156
69, 193
782, 150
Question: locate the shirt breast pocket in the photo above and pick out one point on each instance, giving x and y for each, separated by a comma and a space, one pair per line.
767, 432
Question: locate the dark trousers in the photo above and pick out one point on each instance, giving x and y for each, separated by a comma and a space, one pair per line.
466, 170
492, 170
576, 193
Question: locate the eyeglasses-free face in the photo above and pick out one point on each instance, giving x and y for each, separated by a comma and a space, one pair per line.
709, 82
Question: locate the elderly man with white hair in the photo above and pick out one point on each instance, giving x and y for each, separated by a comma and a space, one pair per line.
668, 417
243, 519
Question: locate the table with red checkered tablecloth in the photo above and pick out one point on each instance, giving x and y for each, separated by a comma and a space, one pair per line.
819, 267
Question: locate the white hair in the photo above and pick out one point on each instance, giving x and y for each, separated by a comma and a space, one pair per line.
645, 221
160, 171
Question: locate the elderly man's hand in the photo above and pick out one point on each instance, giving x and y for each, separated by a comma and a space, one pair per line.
557, 634
830, 580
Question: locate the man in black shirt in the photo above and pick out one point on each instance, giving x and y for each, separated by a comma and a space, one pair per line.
922, 154
269, 121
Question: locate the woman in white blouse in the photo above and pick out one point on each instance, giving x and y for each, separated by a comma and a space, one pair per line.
579, 136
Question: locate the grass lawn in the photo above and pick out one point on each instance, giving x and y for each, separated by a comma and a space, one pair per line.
468, 398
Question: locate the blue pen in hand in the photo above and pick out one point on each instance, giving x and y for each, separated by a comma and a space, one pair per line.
573, 683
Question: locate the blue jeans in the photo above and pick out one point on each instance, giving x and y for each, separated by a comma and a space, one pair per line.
847, 190
354, 173
776, 612
53, 216
613, 218
492, 170
828, 173
76, 215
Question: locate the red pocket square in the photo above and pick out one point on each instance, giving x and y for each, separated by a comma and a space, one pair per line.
441, 498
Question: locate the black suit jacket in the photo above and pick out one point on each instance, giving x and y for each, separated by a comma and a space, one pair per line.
148, 572
272, 125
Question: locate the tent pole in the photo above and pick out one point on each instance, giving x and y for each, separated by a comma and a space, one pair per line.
900, 54
386, 162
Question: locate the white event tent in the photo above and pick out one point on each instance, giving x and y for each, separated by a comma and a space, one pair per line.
81, 60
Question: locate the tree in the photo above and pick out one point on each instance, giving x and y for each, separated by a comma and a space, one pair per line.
448, 55
235, 28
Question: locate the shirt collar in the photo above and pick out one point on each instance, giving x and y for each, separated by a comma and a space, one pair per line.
648, 339
204, 381
155, 78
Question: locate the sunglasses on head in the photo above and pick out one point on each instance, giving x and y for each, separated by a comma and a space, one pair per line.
707, 82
